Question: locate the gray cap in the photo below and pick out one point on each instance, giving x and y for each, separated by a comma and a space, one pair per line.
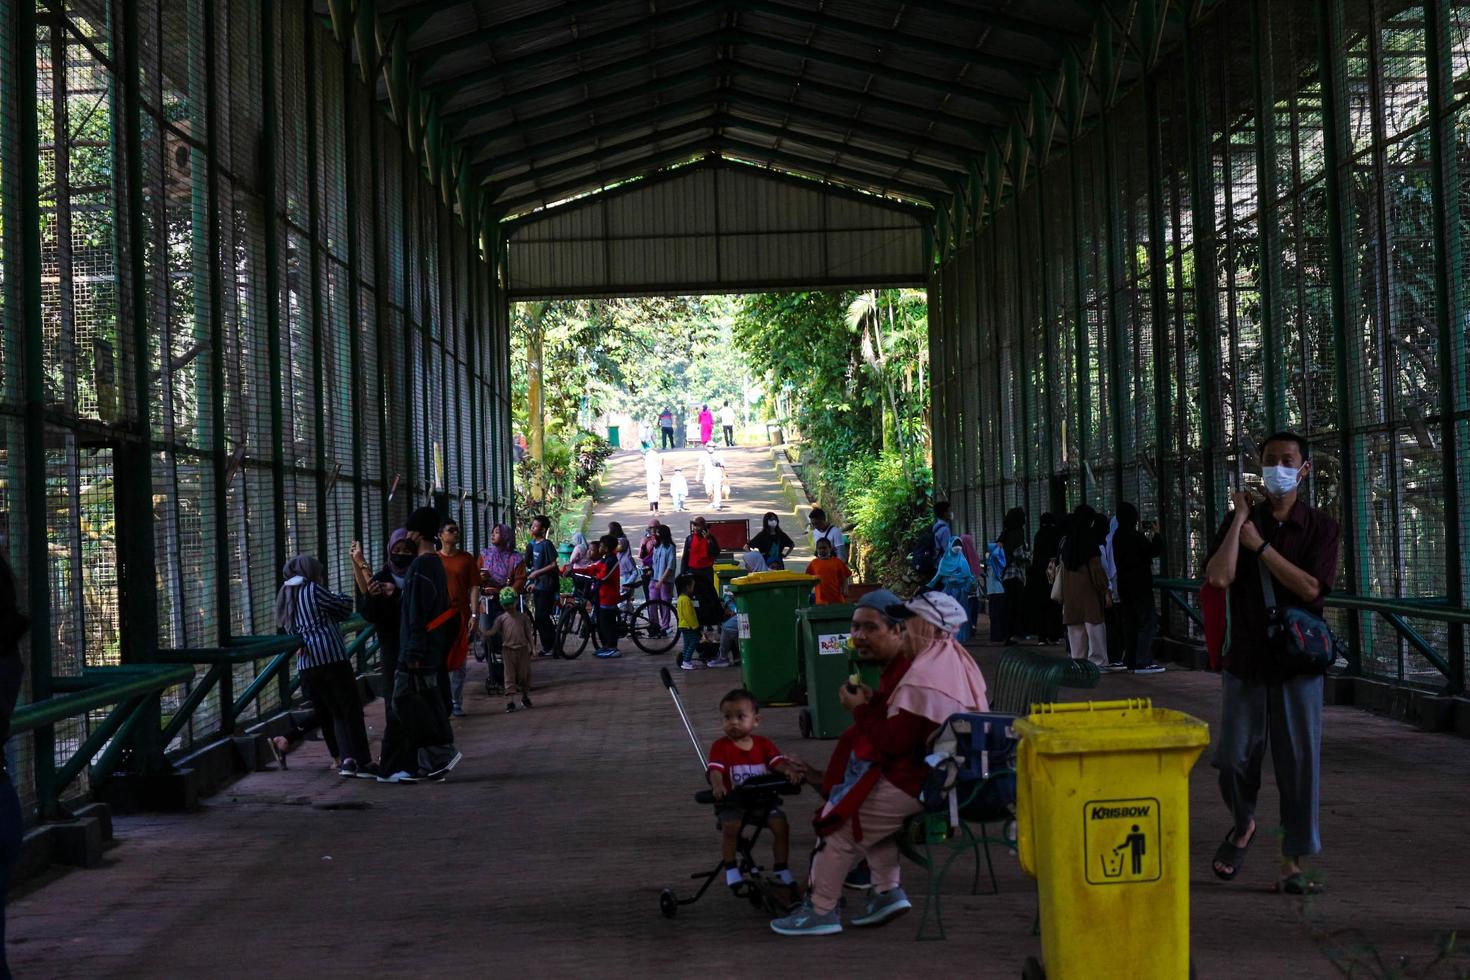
879, 599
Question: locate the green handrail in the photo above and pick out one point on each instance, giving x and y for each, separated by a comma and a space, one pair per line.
29, 717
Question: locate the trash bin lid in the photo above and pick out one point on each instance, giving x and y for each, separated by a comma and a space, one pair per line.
1134, 725
771, 580
830, 613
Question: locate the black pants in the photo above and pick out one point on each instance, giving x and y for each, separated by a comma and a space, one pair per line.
996, 605
392, 728
668, 437
729, 435
1015, 597
1140, 621
445, 694
543, 601
428, 739
334, 696
10, 838
707, 597
1113, 621
607, 627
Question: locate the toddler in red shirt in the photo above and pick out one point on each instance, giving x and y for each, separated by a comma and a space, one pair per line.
739, 756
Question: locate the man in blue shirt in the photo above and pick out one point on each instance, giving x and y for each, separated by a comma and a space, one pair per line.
543, 579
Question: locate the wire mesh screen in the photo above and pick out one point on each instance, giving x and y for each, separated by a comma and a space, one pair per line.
227, 287
1245, 241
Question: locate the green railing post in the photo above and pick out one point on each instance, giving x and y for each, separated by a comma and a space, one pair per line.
1449, 309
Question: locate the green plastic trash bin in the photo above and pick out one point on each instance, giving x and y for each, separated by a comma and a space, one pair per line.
767, 603
612, 436
828, 661
727, 573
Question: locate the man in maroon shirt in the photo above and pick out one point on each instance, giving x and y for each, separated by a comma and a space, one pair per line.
1265, 701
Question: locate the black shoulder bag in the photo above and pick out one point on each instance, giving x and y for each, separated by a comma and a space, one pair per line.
1301, 641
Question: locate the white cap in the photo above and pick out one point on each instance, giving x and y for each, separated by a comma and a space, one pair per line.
939, 609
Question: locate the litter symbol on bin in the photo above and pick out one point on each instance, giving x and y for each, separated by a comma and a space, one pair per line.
1122, 841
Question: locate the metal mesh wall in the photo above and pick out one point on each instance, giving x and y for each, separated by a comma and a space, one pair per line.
1265, 232
256, 312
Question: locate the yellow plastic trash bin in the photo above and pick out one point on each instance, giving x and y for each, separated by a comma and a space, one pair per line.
1102, 816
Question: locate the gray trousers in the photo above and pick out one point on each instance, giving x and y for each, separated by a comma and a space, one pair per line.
1288, 716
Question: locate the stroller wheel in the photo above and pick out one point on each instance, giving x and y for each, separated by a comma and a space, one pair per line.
804, 722
666, 903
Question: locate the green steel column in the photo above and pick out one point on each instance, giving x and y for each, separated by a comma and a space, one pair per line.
1079, 311
1269, 215
25, 156
1050, 387
411, 411
314, 243
270, 131
1449, 308
354, 289
1202, 215
1022, 367
1337, 156
1158, 303
133, 460
381, 319
1113, 279
472, 326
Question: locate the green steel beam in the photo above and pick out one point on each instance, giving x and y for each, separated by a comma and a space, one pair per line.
25, 156
945, 88
1449, 308
1054, 35
478, 141
844, 124
576, 83
270, 190
543, 22
314, 223
819, 168
587, 136
876, 157
703, 125
1113, 277
216, 250
597, 181
381, 328
582, 44
1079, 311
1022, 365
1019, 69
1050, 370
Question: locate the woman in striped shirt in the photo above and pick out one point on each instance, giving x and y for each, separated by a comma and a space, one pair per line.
306, 607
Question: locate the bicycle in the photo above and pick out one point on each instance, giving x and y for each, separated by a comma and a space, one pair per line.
577, 623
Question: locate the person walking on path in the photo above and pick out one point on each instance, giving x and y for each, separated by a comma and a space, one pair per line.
543, 581
714, 476
426, 632
1042, 615
727, 422
1013, 579
1267, 700
822, 528
678, 490
773, 543
464, 596
706, 425
666, 428
653, 477
515, 633
1134, 552
307, 608
1084, 588
382, 608
700, 553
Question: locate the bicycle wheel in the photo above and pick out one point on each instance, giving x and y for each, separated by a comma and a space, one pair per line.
572, 633
643, 627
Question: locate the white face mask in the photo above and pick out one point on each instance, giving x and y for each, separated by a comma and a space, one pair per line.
1280, 480
773, 524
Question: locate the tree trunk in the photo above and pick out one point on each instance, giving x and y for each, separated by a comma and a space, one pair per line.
536, 407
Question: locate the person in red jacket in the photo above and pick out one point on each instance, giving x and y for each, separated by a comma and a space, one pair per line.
883, 763
609, 591
701, 551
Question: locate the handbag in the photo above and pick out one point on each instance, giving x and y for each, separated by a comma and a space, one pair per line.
1056, 585
1301, 640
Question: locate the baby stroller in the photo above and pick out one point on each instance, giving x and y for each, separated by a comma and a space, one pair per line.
487, 651
756, 798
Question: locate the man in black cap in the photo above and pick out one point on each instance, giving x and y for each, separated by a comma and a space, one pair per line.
427, 628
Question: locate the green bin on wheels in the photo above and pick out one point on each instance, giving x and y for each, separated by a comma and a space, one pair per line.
828, 661
766, 603
612, 436
725, 573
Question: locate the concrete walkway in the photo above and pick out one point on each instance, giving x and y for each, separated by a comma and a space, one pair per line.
545, 852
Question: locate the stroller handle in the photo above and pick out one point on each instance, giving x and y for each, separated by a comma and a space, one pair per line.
666, 677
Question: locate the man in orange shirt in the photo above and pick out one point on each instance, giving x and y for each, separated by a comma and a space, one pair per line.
832, 572
463, 574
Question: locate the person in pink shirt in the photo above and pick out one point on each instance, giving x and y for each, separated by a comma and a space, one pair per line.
706, 424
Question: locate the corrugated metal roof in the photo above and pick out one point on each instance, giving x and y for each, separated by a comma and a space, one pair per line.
544, 92
714, 227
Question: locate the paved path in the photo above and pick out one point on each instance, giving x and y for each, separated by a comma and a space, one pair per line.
545, 852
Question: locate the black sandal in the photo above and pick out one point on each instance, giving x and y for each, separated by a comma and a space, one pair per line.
1228, 853
1299, 884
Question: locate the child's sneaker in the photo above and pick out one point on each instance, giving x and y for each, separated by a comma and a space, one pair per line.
807, 921
883, 907
689, 665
